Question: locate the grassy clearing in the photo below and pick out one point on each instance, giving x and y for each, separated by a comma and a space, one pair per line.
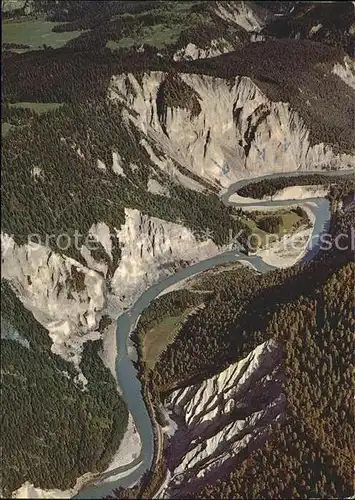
290, 221
176, 7
161, 335
38, 107
35, 34
5, 128
159, 36
262, 235
170, 9
174, 18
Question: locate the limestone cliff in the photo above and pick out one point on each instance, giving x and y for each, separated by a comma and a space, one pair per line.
226, 416
201, 131
233, 24
214, 48
222, 131
69, 299
244, 14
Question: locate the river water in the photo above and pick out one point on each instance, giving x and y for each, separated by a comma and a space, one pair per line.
127, 373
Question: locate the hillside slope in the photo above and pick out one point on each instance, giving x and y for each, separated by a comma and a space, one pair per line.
223, 418
301, 370
154, 110
222, 130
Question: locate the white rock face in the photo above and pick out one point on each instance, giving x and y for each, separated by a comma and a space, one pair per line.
109, 350
288, 193
8, 332
102, 234
155, 187
28, 490
100, 267
346, 72
148, 245
238, 133
240, 13
222, 416
116, 164
101, 165
191, 51
36, 172
44, 282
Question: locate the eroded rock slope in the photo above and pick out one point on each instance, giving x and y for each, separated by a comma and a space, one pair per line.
226, 416
219, 130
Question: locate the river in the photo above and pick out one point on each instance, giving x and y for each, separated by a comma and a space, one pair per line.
127, 373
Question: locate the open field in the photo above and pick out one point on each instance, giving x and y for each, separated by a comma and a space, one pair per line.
38, 107
171, 20
161, 335
35, 34
5, 128
290, 221
158, 36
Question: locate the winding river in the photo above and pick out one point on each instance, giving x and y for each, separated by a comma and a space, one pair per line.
126, 372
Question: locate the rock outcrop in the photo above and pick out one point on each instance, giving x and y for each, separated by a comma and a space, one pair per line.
226, 416
346, 71
222, 131
66, 297
69, 299
192, 51
243, 14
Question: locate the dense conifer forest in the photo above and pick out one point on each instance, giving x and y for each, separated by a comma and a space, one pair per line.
308, 310
53, 430
309, 454
269, 187
61, 135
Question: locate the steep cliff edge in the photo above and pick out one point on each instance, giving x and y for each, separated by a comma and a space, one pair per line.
247, 15
198, 131
219, 130
223, 418
69, 299
231, 25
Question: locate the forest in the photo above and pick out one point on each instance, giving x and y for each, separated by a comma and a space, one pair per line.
308, 309
269, 187
44, 407
70, 140
309, 454
279, 67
